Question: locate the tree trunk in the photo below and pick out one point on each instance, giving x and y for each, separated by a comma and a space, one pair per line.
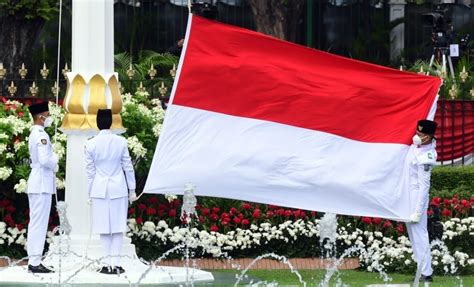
16, 42
278, 18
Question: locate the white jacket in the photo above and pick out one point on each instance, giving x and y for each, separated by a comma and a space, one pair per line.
108, 166
43, 162
420, 174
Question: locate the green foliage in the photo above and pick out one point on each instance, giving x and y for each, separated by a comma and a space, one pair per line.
163, 63
446, 181
462, 88
29, 9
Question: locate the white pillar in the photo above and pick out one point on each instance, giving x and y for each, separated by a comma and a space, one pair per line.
92, 85
397, 35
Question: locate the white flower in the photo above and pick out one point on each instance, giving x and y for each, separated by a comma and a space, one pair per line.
5, 172
18, 145
60, 184
136, 147
21, 186
170, 197
3, 148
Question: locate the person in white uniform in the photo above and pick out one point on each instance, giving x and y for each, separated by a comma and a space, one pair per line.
424, 158
41, 185
111, 184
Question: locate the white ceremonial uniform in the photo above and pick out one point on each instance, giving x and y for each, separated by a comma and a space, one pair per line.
420, 173
110, 175
41, 185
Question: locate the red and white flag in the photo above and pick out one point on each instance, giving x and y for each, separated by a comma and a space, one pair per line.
255, 118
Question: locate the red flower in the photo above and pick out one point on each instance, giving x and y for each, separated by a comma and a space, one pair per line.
377, 220
297, 213
240, 215
4, 100
172, 213
150, 211
176, 203
446, 212
246, 206
400, 228
429, 212
387, 224
205, 211
225, 215
19, 226
13, 107
446, 202
313, 213
139, 220
233, 211
201, 219
237, 220
245, 222
366, 220
270, 214
20, 114
280, 212
214, 228
256, 213
9, 220
153, 200
162, 206
141, 207
6, 107
10, 209
436, 201
288, 213
131, 211
161, 212
465, 203
214, 217
225, 222
198, 206
216, 209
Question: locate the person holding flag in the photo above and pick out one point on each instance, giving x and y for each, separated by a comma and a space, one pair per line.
424, 158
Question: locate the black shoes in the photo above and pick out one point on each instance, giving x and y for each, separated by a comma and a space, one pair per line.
106, 270
425, 278
39, 269
119, 270
110, 270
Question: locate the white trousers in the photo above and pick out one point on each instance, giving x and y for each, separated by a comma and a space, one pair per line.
112, 245
418, 234
40, 207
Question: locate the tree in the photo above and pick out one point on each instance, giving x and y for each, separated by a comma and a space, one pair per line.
278, 18
21, 22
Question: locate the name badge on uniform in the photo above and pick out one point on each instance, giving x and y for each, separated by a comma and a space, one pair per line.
427, 167
44, 141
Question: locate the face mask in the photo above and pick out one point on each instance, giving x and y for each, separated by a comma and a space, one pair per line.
417, 140
47, 122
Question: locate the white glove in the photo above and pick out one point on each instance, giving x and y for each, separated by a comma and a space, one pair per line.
132, 196
415, 217
89, 201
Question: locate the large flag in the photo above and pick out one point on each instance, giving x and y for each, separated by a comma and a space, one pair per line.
259, 119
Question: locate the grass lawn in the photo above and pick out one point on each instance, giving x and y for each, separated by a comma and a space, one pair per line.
348, 277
